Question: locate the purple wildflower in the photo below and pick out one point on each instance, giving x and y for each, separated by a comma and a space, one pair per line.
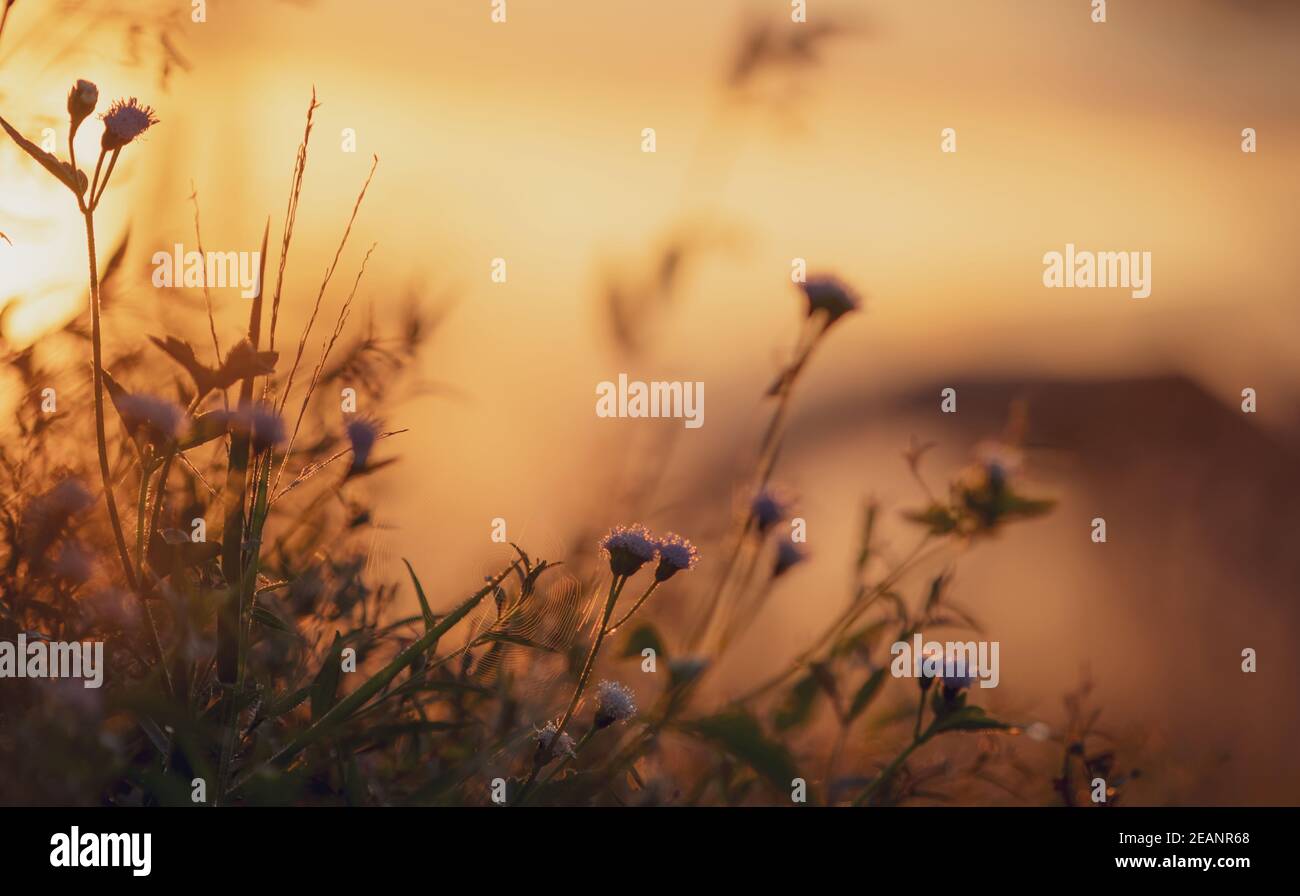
831, 296
675, 555
629, 548
124, 121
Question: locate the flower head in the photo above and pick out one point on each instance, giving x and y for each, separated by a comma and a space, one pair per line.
788, 554
998, 462
362, 434
955, 680
124, 121
264, 426
82, 99
831, 296
161, 421
546, 746
768, 510
629, 548
675, 554
614, 703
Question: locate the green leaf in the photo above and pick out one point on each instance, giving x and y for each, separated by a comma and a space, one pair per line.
324, 690
1027, 508
797, 707
286, 703
75, 181
645, 636
937, 518
264, 617
205, 428
419, 593
862, 699
738, 733
968, 718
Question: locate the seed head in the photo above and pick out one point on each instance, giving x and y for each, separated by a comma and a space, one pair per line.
546, 738
124, 121
614, 703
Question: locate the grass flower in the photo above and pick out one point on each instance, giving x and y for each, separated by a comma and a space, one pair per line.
615, 702
628, 548
675, 555
124, 121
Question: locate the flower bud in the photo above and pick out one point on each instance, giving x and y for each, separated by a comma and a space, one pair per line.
82, 99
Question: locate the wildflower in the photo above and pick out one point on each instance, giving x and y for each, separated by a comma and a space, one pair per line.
954, 681
999, 460
546, 746
264, 426
985, 491
628, 548
788, 554
768, 510
830, 295
82, 99
614, 703
161, 420
124, 121
362, 434
675, 555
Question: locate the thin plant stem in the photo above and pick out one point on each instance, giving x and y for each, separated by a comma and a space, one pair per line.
101, 442
142, 509
809, 336
103, 185
568, 757
636, 606
918, 738
615, 589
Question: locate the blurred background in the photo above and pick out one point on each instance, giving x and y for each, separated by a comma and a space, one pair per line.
775, 141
